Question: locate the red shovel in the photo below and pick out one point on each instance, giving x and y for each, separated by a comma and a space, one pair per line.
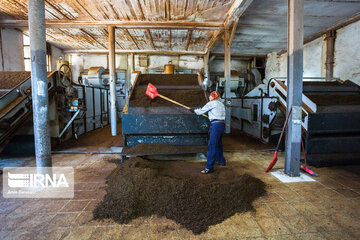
152, 92
271, 165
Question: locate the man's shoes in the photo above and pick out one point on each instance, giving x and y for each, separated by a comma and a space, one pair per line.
207, 171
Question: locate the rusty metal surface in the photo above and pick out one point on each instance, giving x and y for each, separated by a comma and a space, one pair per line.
124, 10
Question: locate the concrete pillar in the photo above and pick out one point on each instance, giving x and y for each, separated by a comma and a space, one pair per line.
294, 86
39, 85
330, 48
227, 73
206, 66
112, 74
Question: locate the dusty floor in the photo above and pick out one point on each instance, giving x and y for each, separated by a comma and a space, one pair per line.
325, 209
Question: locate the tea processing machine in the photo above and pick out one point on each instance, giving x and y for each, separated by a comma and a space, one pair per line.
73, 108
148, 123
330, 118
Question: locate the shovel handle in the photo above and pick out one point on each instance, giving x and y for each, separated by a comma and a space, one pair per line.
177, 103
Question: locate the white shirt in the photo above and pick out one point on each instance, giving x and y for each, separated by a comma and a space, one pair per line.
215, 108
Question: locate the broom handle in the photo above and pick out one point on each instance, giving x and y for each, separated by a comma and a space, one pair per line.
283, 129
175, 102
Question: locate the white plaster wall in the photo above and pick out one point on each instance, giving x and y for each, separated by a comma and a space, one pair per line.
56, 53
276, 66
217, 65
191, 62
158, 62
76, 62
12, 50
121, 61
347, 57
92, 60
347, 53
312, 58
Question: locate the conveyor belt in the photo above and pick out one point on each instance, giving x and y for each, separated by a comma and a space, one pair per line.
16, 105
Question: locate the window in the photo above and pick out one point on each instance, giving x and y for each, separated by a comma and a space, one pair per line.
27, 56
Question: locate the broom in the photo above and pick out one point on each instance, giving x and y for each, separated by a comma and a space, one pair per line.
304, 167
274, 160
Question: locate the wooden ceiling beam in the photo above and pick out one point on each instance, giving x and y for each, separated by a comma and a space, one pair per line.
167, 10
117, 23
148, 35
93, 38
128, 35
188, 39
217, 34
236, 10
150, 52
169, 39
233, 30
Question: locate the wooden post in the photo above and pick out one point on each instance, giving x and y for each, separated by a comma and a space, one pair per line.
227, 72
294, 86
330, 47
112, 73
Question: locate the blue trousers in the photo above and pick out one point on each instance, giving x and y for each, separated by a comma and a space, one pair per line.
215, 147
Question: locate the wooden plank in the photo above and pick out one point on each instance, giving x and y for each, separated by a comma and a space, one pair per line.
117, 23
150, 52
128, 35
169, 39
213, 39
93, 38
233, 30
168, 14
188, 38
148, 35
236, 10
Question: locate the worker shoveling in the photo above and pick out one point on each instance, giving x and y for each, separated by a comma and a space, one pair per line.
216, 111
152, 92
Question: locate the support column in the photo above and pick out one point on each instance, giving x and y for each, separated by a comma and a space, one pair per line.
294, 86
330, 47
206, 67
112, 74
227, 72
39, 85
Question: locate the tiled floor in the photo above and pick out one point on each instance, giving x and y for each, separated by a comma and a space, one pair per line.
325, 209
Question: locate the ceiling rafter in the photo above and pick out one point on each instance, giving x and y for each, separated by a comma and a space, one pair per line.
217, 34
169, 39
148, 35
188, 39
167, 6
129, 36
93, 38
236, 10
82, 30
233, 30
147, 31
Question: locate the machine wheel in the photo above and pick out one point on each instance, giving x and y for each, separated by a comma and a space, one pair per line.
65, 75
